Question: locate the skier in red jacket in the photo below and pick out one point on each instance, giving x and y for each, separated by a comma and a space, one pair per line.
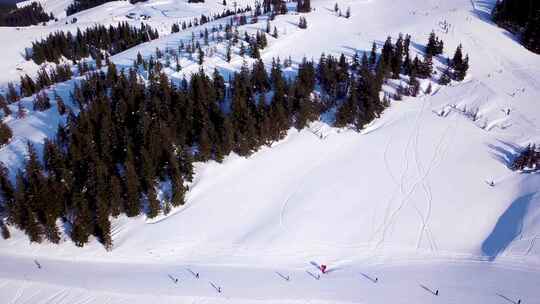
323, 268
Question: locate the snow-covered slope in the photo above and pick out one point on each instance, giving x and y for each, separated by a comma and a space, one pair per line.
162, 14
408, 201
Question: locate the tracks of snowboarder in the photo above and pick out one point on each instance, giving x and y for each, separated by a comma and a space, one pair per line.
384, 225
436, 160
20, 291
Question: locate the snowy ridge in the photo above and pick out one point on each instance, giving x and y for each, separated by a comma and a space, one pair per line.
408, 201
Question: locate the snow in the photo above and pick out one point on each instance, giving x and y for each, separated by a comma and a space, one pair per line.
407, 201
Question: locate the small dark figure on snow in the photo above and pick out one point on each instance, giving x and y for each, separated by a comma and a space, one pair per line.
323, 268
197, 275
376, 280
437, 292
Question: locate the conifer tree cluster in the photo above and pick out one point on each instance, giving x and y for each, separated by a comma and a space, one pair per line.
521, 17
131, 136
81, 5
90, 42
303, 6
24, 16
275, 7
45, 78
435, 46
528, 159
175, 28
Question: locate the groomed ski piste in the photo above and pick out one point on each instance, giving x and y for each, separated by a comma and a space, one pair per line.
420, 207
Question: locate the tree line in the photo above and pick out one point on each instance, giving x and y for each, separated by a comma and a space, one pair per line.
24, 16
131, 148
81, 5
521, 17
90, 42
175, 28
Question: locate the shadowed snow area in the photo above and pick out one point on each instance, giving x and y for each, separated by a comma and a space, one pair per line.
508, 228
397, 212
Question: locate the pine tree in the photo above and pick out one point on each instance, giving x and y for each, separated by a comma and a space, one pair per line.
61, 106
4, 106
460, 64
12, 95
414, 85
303, 6
153, 203
21, 112
5, 133
373, 54
242, 49
434, 46
81, 224
446, 77
175, 28
132, 199
178, 190
348, 111
42, 102
254, 51
429, 89
116, 200
5, 231
302, 23
200, 56
228, 54
268, 27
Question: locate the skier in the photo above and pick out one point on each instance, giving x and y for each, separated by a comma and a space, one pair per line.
323, 268
197, 275
437, 292
376, 280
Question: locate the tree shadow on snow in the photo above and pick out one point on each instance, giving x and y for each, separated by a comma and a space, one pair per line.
508, 227
507, 299
504, 152
428, 289
482, 9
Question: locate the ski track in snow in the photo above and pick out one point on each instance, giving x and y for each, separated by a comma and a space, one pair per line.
383, 227
401, 186
425, 184
406, 196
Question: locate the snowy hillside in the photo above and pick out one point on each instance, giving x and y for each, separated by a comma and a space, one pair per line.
399, 212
